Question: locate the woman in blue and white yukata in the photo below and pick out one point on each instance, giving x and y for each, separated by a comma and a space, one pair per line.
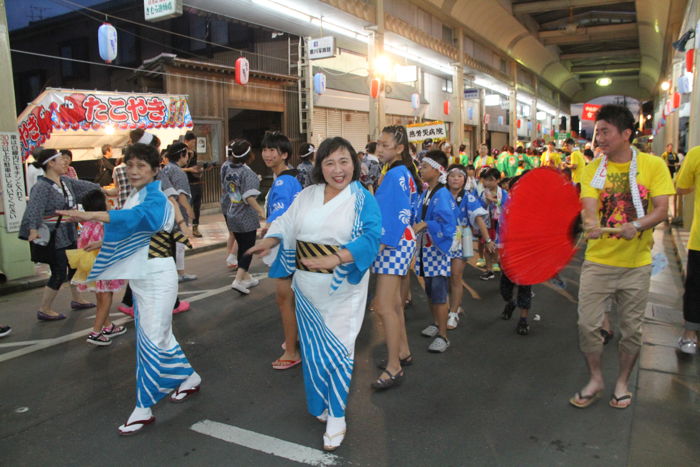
470, 216
328, 239
397, 195
128, 252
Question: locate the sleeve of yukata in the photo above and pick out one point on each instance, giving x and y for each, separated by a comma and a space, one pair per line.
284, 229
80, 187
393, 197
166, 185
473, 207
178, 178
281, 197
250, 184
364, 248
442, 222
148, 216
34, 212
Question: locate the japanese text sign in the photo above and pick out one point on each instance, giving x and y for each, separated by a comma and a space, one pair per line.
11, 180
418, 132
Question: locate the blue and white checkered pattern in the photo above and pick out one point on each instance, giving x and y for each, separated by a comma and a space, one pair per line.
431, 261
395, 260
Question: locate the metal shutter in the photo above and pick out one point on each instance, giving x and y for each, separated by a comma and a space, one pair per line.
356, 128
334, 123
319, 125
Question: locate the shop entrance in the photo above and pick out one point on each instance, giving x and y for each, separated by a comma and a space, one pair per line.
252, 125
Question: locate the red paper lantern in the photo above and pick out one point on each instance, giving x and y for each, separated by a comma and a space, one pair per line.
446, 107
518, 123
242, 69
676, 100
689, 59
539, 127
375, 87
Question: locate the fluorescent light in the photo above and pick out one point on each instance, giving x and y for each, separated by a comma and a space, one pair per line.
493, 86
541, 115
280, 8
604, 81
491, 100
428, 62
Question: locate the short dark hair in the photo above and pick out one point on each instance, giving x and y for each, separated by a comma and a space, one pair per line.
176, 151
371, 147
144, 152
276, 140
589, 153
471, 167
67, 153
438, 156
94, 200
42, 156
569, 141
189, 136
618, 116
106, 148
239, 146
328, 147
462, 147
491, 172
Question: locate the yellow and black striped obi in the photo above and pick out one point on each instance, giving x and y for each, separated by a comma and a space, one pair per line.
313, 250
163, 244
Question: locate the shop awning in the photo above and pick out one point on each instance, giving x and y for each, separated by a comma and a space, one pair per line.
83, 121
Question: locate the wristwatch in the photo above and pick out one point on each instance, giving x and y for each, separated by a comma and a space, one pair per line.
637, 225
488, 241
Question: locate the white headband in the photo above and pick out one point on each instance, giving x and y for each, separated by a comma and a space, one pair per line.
241, 155
311, 151
438, 167
146, 138
58, 154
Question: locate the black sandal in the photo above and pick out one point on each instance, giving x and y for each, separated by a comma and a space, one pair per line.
508, 311
408, 361
392, 381
607, 336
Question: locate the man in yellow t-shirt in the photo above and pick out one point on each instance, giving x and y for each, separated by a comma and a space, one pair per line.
617, 265
688, 180
576, 162
550, 157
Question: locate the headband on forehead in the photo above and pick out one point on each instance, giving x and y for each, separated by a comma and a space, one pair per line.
434, 164
58, 154
460, 169
146, 138
241, 155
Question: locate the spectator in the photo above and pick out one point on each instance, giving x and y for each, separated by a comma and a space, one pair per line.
105, 167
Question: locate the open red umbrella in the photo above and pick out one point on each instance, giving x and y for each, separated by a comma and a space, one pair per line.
538, 226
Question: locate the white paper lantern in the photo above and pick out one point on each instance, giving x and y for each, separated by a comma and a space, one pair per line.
319, 83
107, 38
415, 101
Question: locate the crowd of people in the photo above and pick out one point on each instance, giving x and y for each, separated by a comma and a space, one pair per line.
333, 220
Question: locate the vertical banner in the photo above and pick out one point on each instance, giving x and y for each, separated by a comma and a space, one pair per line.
12, 180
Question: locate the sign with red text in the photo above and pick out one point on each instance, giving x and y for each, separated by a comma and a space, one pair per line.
589, 111
75, 111
11, 180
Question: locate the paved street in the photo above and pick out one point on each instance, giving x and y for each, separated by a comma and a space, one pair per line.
494, 398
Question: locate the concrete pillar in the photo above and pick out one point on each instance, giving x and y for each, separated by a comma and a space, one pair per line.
14, 253
457, 110
513, 104
482, 118
377, 116
533, 113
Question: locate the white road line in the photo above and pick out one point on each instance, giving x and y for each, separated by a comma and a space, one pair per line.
46, 343
110, 315
264, 443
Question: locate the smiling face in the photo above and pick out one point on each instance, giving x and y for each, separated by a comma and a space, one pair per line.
456, 180
59, 165
273, 159
338, 169
610, 140
139, 172
387, 149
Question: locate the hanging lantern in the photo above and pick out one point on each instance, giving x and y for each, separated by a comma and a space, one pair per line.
539, 127
415, 101
470, 113
689, 59
446, 107
319, 83
375, 87
500, 120
676, 100
107, 41
518, 123
242, 70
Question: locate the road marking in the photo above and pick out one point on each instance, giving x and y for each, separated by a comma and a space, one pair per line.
264, 443
46, 343
110, 315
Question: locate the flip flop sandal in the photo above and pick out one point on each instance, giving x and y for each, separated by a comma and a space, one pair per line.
392, 381
408, 361
328, 441
615, 401
143, 424
587, 400
285, 364
187, 392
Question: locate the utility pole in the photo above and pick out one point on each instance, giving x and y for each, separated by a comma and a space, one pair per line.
14, 253
375, 49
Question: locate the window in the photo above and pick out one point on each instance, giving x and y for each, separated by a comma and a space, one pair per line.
198, 31
76, 49
447, 85
28, 85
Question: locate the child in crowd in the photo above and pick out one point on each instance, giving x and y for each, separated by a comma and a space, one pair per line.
306, 154
89, 243
437, 224
276, 149
523, 299
494, 198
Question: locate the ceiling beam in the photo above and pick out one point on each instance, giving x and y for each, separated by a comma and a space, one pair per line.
590, 35
614, 78
628, 53
606, 68
549, 5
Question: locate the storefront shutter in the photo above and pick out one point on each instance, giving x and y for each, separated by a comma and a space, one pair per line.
334, 123
319, 125
356, 128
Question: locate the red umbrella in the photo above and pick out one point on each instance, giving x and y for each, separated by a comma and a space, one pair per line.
538, 226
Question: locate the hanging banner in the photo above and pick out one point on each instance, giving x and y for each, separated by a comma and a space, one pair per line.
57, 110
159, 10
323, 47
418, 132
589, 111
11, 180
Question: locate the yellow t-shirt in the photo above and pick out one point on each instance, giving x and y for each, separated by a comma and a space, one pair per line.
580, 162
546, 158
689, 177
615, 208
478, 162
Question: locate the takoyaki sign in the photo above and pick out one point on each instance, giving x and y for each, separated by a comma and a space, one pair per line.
74, 111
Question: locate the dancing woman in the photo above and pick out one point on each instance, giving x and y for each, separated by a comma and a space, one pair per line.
396, 197
328, 238
131, 250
